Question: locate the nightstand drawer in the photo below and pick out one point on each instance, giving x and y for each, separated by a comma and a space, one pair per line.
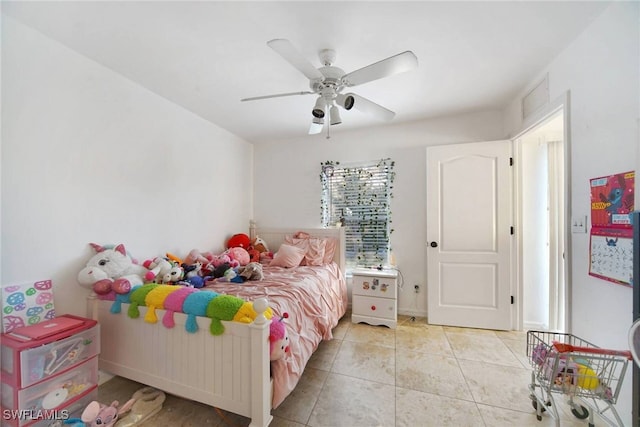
375, 286
374, 307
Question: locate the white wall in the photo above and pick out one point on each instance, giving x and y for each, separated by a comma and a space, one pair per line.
88, 156
287, 184
601, 71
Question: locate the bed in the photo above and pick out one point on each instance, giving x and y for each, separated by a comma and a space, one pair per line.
232, 371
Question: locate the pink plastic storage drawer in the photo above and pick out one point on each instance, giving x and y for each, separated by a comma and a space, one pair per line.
27, 362
54, 418
54, 393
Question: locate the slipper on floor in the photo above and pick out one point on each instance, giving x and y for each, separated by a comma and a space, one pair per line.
147, 402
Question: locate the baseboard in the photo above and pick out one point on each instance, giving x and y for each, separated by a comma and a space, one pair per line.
535, 326
103, 377
410, 312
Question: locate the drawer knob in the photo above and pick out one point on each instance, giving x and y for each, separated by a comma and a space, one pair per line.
373, 307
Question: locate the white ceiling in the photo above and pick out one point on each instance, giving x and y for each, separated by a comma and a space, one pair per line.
207, 55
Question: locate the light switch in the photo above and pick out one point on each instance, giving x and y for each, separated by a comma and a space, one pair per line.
579, 224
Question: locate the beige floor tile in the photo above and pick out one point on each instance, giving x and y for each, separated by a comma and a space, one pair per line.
431, 373
518, 348
325, 355
415, 408
281, 422
468, 331
352, 402
366, 361
500, 417
299, 404
425, 339
343, 326
482, 348
496, 385
380, 335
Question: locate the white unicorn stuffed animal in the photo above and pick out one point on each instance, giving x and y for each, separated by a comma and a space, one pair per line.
111, 270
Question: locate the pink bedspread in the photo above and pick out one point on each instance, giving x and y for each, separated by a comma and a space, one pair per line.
314, 297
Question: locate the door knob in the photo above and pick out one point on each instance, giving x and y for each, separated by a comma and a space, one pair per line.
434, 244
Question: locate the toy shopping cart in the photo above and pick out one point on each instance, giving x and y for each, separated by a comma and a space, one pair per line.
565, 364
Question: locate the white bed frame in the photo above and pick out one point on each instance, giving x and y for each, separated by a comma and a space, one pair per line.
230, 371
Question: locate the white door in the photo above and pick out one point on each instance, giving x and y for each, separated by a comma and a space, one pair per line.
469, 235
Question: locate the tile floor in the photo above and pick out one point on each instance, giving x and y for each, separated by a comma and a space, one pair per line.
415, 375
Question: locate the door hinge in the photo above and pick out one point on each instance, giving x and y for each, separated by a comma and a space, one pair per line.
510, 161
512, 230
512, 299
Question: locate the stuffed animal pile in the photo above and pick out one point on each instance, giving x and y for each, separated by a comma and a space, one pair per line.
112, 271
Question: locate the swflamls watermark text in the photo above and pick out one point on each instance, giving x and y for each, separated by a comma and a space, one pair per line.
35, 414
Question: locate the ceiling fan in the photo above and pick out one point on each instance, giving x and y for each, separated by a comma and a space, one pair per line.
329, 81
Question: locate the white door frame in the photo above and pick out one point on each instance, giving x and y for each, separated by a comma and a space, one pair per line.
535, 120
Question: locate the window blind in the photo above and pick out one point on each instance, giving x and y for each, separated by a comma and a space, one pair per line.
359, 197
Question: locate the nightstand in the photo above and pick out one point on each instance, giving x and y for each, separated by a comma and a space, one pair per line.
374, 297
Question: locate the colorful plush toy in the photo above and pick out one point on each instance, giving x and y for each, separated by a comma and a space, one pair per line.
196, 305
259, 244
111, 270
174, 303
138, 298
239, 241
116, 307
278, 338
98, 415
251, 271
158, 267
196, 256
174, 275
225, 307
238, 254
155, 299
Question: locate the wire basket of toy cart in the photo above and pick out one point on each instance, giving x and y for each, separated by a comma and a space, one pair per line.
568, 365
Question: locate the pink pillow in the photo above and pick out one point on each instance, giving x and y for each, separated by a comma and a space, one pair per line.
329, 249
287, 256
314, 248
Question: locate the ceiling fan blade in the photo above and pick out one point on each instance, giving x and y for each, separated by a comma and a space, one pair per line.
255, 98
371, 108
295, 58
399, 63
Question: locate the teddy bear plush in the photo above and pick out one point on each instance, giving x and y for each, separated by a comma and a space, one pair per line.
111, 269
251, 271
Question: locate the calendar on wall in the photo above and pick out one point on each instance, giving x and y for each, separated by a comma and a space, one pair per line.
611, 245
611, 255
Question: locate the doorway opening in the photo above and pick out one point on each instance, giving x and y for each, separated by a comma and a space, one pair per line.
541, 187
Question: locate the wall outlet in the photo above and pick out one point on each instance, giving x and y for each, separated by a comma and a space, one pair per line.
579, 224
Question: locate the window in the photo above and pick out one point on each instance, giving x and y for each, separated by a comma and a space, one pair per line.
359, 197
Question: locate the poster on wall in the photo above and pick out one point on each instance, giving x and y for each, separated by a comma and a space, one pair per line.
26, 304
612, 200
611, 242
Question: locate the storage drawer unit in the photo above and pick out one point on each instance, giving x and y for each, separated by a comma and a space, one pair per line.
49, 379
54, 418
27, 362
374, 296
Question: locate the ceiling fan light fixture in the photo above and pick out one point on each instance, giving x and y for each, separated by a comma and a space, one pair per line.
318, 110
316, 125
334, 113
345, 101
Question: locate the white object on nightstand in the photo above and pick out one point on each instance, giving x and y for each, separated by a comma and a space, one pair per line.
374, 297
